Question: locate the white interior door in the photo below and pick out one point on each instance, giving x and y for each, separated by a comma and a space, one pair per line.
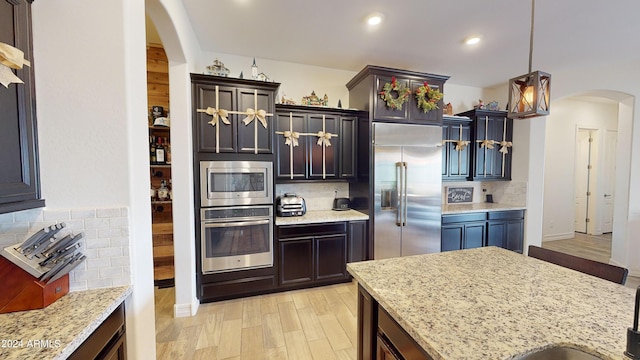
582, 179
608, 177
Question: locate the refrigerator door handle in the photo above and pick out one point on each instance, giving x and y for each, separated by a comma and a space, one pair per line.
404, 193
399, 191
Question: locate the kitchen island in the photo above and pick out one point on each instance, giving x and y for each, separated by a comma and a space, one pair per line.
486, 303
58, 330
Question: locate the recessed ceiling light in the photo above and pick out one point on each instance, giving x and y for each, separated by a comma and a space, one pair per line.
473, 39
374, 19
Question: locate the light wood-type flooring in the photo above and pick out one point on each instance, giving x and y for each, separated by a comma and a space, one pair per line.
318, 323
594, 247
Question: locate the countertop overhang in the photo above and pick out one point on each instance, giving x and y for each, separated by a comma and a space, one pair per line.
491, 303
56, 331
322, 216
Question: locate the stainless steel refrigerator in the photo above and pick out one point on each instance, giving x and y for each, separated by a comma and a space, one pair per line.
407, 172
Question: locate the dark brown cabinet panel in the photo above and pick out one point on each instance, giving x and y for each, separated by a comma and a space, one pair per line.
331, 257
381, 111
19, 178
310, 160
296, 261
456, 163
492, 128
233, 95
417, 115
322, 159
357, 238
107, 342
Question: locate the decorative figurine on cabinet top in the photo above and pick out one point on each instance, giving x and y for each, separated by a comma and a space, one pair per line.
217, 68
314, 100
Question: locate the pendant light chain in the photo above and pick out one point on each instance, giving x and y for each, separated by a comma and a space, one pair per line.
533, 9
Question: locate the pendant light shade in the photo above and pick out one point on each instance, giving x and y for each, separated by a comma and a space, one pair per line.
529, 95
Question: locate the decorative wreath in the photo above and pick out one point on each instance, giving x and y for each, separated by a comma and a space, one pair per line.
403, 92
428, 97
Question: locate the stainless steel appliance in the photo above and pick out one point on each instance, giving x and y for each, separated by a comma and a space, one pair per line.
290, 205
408, 189
225, 183
236, 238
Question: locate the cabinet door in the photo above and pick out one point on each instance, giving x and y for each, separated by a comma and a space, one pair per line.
286, 156
491, 164
221, 134
348, 145
296, 261
417, 115
474, 235
496, 233
331, 257
380, 110
322, 159
255, 135
385, 350
19, 174
445, 151
452, 236
458, 162
515, 235
357, 246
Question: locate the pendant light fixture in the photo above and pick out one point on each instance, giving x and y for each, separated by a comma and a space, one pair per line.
529, 94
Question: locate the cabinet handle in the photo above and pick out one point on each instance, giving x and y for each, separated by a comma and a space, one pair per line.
399, 174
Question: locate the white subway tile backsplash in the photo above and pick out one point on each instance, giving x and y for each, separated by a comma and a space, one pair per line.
105, 242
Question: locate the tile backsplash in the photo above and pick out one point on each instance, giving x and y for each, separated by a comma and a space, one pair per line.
105, 242
317, 196
504, 192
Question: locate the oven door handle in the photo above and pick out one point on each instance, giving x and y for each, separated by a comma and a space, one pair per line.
235, 223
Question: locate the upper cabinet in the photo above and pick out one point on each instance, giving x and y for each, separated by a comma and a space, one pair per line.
392, 95
456, 148
233, 115
315, 143
19, 177
492, 143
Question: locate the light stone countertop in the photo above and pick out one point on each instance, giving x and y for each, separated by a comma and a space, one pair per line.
321, 216
61, 327
477, 207
491, 303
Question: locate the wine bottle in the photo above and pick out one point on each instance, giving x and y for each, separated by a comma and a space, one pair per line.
167, 150
152, 150
160, 152
163, 191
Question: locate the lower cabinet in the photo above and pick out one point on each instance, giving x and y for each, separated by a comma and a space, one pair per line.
315, 254
504, 229
107, 342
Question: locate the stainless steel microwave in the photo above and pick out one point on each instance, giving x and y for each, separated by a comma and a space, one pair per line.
227, 183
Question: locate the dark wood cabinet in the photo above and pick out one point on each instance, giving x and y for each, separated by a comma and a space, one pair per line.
312, 254
456, 160
365, 88
233, 95
494, 228
492, 131
506, 229
357, 241
464, 231
309, 160
20, 175
107, 342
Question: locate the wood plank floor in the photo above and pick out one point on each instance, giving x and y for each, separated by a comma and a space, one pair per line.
594, 247
318, 323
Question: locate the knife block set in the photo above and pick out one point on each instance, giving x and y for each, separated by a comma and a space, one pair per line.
35, 272
22, 291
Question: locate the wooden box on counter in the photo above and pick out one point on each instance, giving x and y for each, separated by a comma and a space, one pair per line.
21, 291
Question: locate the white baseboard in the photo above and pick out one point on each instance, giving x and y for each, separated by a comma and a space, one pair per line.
185, 310
560, 236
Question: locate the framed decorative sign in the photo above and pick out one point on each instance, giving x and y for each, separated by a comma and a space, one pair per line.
459, 195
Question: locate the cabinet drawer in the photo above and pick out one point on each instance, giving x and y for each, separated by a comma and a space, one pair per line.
449, 219
292, 231
510, 214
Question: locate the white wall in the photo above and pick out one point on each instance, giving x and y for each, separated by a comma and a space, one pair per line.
90, 75
559, 197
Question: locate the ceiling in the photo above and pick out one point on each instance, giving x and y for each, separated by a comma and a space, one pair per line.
424, 35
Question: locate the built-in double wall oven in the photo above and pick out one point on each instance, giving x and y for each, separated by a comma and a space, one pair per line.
236, 215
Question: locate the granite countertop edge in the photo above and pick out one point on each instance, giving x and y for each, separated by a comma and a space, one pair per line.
75, 309
322, 216
478, 207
